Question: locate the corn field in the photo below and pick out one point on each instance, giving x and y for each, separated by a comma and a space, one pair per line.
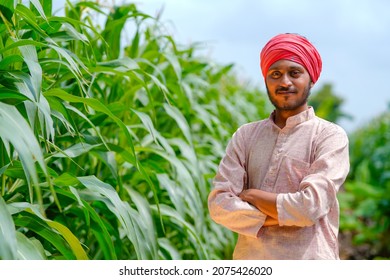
110, 135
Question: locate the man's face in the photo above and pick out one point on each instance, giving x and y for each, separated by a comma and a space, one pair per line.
288, 86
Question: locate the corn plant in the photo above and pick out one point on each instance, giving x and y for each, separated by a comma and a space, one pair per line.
366, 202
110, 135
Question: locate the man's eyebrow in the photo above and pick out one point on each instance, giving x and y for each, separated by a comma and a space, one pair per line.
295, 67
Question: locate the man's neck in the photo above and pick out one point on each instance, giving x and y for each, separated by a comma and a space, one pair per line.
281, 115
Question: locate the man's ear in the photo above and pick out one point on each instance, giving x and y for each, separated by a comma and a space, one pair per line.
311, 84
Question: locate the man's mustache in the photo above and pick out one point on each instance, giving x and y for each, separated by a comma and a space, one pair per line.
289, 89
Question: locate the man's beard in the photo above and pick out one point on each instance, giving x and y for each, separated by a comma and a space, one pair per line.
290, 107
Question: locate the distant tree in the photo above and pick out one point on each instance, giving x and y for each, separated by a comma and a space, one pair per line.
327, 104
366, 200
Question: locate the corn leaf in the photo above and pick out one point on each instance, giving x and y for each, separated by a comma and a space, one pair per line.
56, 233
8, 243
23, 139
29, 249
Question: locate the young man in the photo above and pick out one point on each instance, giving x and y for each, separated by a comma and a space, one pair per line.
277, 184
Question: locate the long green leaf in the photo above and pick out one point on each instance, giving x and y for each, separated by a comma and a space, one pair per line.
176, 194
76, 150
125, 214
22, 42
98, 227
29, 249
11, 97
31, 19
177, 115
23, 139
97, 224
40, 228
53, 230
30, 56
176, 218
96, 105
158, 138
72, 240
184, 178
8, 244
9, 60
147, 225
39, 7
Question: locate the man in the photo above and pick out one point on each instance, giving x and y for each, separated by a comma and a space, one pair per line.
277, 184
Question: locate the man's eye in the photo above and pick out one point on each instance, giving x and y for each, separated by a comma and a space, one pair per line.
295, 73
275, 75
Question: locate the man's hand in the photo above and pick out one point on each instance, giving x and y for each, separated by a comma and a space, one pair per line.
264, 201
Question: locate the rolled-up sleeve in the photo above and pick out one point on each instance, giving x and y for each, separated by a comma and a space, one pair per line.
225, 207
318, 190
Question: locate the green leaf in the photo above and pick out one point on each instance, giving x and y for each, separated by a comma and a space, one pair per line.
98, 227
9, 60
71, 108
173, 60
31, 19
363, 190
125, 214
65, 179
177, 115
23, 139
76, 150
167, 247
30, 56
29, 249
6, 10
11, 97
195, 238
157, 137
147, 225
8, 243
72, 240
39, 7
185, 180
22, 42
40, 228
176, 194
75, 65
161, 86
96, 105
53, 231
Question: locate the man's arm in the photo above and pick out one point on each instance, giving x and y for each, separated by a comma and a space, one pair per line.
225, 205
264, 201
317, 192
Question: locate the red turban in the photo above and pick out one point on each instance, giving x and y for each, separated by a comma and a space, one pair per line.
292, 47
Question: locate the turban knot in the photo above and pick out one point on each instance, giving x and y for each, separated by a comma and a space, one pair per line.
292, 47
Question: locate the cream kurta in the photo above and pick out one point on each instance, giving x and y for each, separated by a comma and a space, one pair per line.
306, 162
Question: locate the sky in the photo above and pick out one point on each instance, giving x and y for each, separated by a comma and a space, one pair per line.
352, 36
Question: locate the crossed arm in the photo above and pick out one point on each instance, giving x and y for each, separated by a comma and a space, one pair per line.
265, 202
246, 211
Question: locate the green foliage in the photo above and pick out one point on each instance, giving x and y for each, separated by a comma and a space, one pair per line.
110, 136
327, 104
366, 203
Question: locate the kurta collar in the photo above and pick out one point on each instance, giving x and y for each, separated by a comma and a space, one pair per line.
297, 119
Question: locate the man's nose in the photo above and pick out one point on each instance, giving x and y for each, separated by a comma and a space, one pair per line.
285, 81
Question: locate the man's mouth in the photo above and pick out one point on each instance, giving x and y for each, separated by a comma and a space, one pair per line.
285, 92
